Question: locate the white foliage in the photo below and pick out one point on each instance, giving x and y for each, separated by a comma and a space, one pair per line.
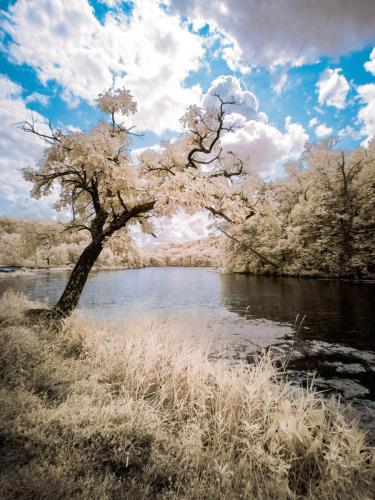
318, 220
115, 101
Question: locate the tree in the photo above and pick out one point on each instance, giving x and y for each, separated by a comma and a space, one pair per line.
37, 240
9, 248
107, 190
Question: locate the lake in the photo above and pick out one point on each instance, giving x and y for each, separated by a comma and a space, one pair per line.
326, 327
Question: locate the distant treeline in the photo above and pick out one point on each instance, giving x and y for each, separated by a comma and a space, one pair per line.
198, 253
49, 244
41, 244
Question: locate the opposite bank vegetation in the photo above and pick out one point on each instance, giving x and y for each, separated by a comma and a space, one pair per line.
317, 220
49, 245
96, 410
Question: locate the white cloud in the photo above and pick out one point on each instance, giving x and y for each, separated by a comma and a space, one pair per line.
37, 97
279, 86
264, 145
8, 88
232, 57
18, 150
366, 114
349, 131
229, 87
177, 229
110, 3
150, 52
292, 31
370, 65
296, 138
333, 88
313, 122
232, 54
323, 131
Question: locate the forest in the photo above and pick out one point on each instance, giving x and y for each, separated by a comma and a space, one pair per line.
317, 220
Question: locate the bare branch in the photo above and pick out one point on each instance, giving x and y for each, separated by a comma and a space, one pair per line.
201, 148
29, 127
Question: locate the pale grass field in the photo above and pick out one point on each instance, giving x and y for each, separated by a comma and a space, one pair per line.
118, 411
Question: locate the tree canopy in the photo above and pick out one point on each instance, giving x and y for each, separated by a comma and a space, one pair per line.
317, 220
107, 188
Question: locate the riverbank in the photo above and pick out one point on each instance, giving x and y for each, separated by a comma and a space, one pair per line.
29, 271
33, 271
307, 276
103, 411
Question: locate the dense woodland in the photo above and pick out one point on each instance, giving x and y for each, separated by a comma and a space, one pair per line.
318, 220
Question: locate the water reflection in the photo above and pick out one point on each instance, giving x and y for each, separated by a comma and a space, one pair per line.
336, 311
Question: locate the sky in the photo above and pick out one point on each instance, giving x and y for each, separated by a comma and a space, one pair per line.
302, 71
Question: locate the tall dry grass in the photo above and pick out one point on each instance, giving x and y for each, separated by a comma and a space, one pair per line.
104, 411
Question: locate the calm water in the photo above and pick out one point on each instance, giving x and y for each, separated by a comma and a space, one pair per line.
335, 342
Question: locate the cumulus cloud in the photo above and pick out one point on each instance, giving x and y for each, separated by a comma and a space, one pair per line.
323, 131
150, 52
292, 31
370, 65
230, 51
333, 88
229, 87
18, 150
110, 3
254, 138
265, 146
366, 114
177, 229
232, 55
349, 131
296, 138
313, 122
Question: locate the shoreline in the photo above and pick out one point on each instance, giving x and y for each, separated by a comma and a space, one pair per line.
30, 271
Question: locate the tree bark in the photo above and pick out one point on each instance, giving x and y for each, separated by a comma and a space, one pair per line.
70, 297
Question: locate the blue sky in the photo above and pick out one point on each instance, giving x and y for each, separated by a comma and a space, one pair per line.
305, 69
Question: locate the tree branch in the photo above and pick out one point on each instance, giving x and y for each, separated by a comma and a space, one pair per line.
217, 133
248, 247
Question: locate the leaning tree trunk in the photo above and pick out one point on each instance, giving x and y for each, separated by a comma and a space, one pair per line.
70, 297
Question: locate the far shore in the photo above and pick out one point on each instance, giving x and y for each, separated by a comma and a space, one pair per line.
17, 270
